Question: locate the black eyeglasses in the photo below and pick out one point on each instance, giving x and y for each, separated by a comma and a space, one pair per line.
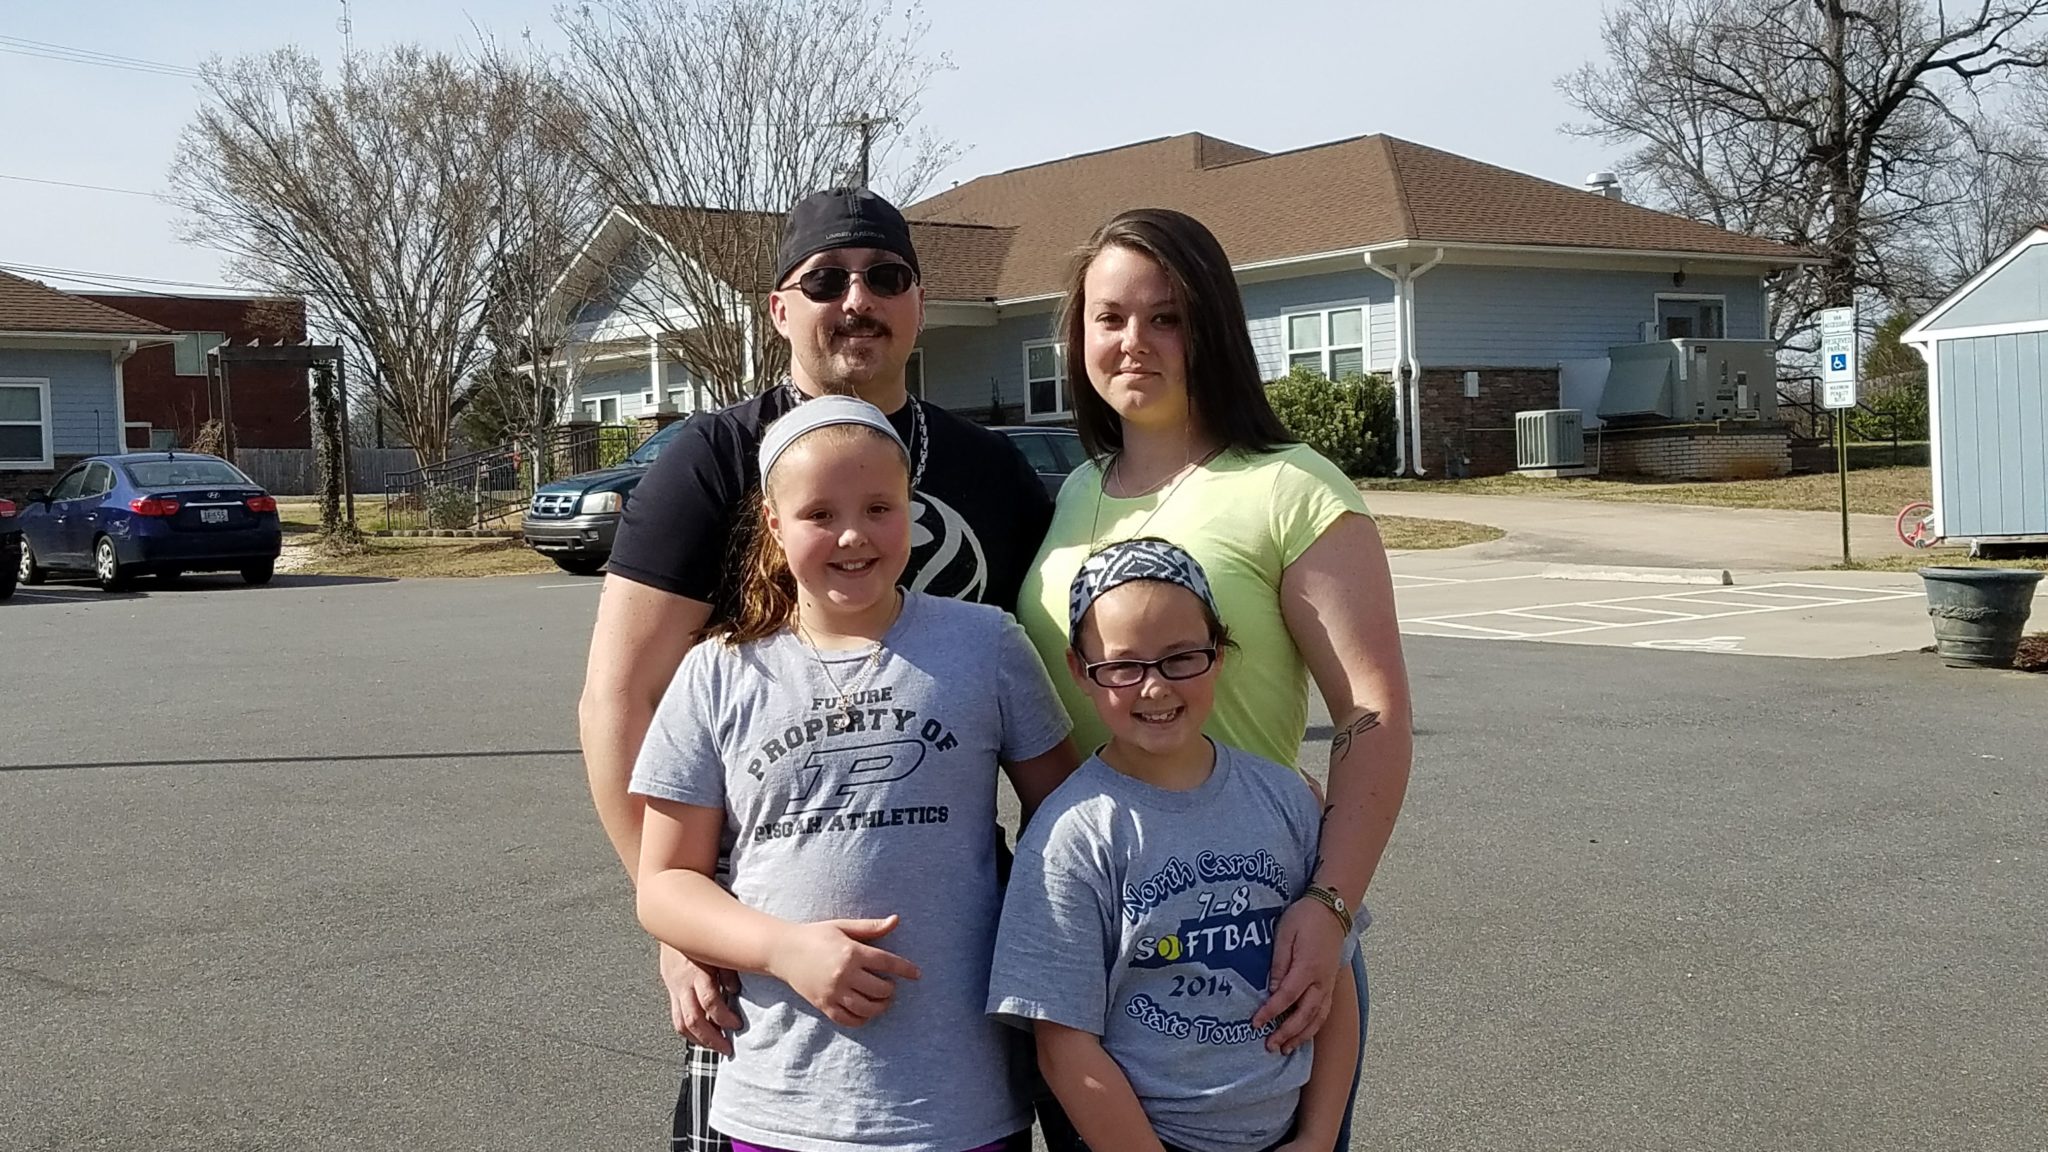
826, 283
1130, 673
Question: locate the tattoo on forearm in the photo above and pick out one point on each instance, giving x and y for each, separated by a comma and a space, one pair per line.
1322, 838
1340, 744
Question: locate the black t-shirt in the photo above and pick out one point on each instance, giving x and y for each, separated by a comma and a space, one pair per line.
976, 520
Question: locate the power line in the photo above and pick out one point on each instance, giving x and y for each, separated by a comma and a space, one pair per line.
88, 187
47, 51
120, 282
104, 279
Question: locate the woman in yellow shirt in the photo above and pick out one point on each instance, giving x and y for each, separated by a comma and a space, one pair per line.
1187, 448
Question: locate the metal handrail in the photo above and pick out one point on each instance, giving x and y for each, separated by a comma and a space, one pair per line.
478, 489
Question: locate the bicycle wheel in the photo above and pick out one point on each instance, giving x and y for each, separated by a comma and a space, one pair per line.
1916, 525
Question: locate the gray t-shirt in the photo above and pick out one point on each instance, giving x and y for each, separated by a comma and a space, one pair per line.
1146, 917
888, 810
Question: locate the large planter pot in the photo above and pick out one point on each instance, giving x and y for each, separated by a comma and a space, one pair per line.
1979, 613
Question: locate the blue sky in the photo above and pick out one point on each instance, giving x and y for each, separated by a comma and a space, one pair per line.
1032, 81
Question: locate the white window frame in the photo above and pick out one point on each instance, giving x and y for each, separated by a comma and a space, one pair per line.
1065, 409
1325, 350
197, 341
48, 424
1657, 312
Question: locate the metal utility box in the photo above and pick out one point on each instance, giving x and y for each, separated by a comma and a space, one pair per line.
1691, 380
1553, 438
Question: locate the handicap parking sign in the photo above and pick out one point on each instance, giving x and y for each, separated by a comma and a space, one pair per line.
1839, 362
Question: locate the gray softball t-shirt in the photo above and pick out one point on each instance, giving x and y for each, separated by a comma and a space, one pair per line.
882, 804
1146, 917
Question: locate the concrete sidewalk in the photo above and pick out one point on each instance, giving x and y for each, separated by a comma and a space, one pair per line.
1661, 535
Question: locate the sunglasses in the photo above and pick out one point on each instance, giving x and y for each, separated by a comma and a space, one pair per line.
825, 284
1130, 673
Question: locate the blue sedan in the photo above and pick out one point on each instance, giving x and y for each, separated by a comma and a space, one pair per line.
150, 513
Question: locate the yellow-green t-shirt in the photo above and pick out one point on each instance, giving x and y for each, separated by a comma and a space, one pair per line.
1245, 518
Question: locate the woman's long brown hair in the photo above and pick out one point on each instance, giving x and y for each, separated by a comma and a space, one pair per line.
1224, 387
767, 599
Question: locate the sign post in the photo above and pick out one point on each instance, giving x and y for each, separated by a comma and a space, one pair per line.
1838, 371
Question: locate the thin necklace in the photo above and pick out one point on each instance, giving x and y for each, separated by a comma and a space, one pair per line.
1178, 478
919, 432
849, 697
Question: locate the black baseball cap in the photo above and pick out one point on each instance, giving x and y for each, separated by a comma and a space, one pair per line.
842, 218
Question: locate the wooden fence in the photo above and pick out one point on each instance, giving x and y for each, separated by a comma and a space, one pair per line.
292, 471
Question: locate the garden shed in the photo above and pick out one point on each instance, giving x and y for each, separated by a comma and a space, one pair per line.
1986, 348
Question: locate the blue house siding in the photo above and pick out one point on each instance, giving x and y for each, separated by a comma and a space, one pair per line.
1267, 304
84, 412
961, 365
1993, 420
1484, 317
628, 383
2016, 293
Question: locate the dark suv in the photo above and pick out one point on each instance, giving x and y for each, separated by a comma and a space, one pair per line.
1053, 452
573, 521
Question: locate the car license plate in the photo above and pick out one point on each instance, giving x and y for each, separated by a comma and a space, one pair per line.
213, 515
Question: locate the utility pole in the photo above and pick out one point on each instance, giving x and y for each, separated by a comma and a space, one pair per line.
866, 126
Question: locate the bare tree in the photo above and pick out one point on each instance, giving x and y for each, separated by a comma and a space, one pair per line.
707, 119
547, 204
1822, 123
376, 196
1992, 192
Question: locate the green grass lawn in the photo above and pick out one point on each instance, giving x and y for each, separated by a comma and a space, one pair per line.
298, 514
1413, 532
1878, 491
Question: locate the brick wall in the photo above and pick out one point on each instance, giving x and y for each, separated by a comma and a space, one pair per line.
271, 403
15, 485
1738, 450
1476, 435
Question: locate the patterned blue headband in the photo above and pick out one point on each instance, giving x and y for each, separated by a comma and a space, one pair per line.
1146, 558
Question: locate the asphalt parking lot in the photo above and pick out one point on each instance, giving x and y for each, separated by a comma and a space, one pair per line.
312, 866
1812, 615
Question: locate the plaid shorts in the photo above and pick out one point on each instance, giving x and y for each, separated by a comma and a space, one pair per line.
690, 1131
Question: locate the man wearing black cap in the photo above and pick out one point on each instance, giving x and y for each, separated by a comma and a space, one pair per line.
849, 298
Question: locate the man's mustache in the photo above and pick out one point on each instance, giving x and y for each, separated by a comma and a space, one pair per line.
859, 326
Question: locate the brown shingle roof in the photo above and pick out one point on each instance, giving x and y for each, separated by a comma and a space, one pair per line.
32, 306
959, 261
1356, 193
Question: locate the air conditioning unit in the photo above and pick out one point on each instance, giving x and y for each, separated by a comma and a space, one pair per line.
1554, 438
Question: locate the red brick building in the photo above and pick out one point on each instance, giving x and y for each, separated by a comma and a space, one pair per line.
166, 386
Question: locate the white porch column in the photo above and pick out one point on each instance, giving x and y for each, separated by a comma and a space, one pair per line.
657, 375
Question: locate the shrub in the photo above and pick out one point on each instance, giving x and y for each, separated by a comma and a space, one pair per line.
1901, 405
1351, 421
451, 507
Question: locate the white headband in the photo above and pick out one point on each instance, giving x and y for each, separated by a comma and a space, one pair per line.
823, 412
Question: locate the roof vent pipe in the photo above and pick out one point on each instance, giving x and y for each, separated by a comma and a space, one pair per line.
1605, 184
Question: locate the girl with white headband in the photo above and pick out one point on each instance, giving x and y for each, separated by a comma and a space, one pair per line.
842, 740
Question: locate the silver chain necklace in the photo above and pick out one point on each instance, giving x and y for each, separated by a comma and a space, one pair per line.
1178, 478
919, 432
848, 698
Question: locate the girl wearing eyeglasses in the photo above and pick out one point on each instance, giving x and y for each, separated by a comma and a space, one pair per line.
1169, 402
1138, 931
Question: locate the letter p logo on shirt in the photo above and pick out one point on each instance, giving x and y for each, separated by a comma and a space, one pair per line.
833, 778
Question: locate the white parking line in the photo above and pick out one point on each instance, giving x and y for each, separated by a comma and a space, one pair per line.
1688, 601
1501, 632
